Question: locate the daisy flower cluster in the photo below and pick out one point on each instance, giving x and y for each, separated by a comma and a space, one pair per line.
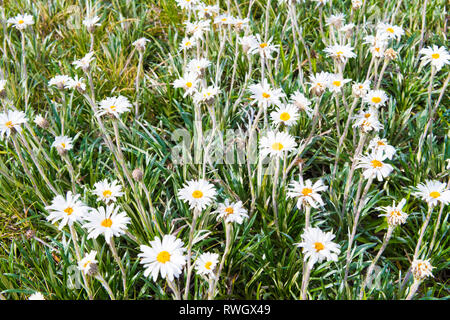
332, 144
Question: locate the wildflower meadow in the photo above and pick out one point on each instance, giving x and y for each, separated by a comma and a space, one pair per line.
224, 150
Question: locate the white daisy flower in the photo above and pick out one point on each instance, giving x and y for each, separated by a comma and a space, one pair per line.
299, 100
187, 43
198, 65
197, 28
199, 194
374, 165
265, 95
390, 31
240, 24
36, 296
336, 83
286, 114
347, 28
20, 22
319, 82
247, 43
165, 257
378, 44
107, 221
206, 94
377, 144
107, 192
394, 214
76, 83
340, 52
376, 98
436, 56
63, 143
356, 4
276, 144
367, 121
223, 20
335, 20
41, 121
186, 4
231, 212
433, 191
264, 48
59, 81
317, 246
188, 82
321, 2
206, 263
114, 106
360, 89
10, 121
140, 43
85, 62
421, 269
85, 265
91, 22
66, 210
2, 85
306, 193
206, 11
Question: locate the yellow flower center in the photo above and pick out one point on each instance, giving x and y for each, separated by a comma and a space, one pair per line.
68, 210
208, 265
86, 264
20, 22
435, 194
380, 143
229, 210
197, 194
188, 84
339, 53
163, 257
63, 145
390, 30
376, 99
319, 246
285, 116
266, 95
107, 223
395, 213
263, 45
306, 191
277, 146
367, 115
113, 108
187, 44
376, 164
435, 55
107, 193
224, 19
9, 124
336, 83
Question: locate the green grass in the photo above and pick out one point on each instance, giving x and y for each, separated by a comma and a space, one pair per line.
261, 264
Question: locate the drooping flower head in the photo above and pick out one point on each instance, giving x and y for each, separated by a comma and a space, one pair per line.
394, 214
